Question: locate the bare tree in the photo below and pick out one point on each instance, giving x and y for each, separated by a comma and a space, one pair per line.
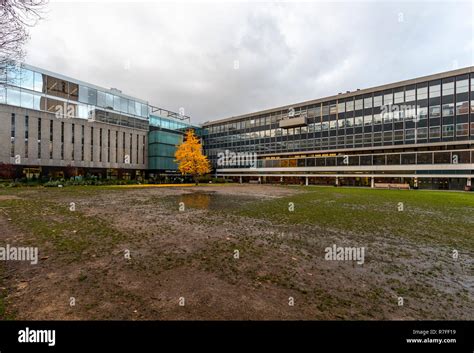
15, 18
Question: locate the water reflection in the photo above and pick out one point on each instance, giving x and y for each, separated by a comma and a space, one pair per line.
210, 200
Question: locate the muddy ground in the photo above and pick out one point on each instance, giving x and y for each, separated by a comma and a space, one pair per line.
183, 262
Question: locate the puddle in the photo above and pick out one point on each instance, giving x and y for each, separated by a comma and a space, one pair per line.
210, 200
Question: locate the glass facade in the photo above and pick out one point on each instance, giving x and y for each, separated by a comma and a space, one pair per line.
164, 135
426, 112
32, 89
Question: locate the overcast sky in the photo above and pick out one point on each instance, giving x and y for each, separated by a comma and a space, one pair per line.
218, 60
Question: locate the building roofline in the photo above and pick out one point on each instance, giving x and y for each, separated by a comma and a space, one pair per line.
420, 79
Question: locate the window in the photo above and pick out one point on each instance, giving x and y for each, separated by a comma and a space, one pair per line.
13, 96
422, 112
399, 97
101, 99
57, 87
72, 140
422, 132
92, 144
349, 106
341, 107
100, 145
435, 132
462, 129
27, 100
387, 98
448, 88
368, 102
27, 121
87, 95
377, 100
368, 120
462, 85
38, 84
62, 140
39, 138
3, 95
435, 89
123, 105
422, 92
448, 131
12, 134
448, 109
51, 139
377, 118
462, 108
82, 143
410, 93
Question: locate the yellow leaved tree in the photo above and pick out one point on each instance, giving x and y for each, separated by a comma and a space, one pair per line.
189, 157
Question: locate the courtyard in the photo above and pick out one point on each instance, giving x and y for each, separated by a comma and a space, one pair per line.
230, 251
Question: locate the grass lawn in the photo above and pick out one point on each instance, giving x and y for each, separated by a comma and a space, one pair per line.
183, 243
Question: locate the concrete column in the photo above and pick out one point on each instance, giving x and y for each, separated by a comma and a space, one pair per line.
372, 182
337, 181
240, 179
307, 179
259, 180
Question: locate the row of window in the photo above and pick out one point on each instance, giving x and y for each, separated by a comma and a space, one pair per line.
421, 95
128, 157
169, 124
406, 158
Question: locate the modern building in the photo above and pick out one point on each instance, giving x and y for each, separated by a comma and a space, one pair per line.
52, 126
418, 132
166, 131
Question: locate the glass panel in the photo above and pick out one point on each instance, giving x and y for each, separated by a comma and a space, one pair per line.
131, 107
144, 111
448, 130
27, 79
3, 95
448, 109
101, 100
462, 86
73, 91
13, 96
123, 105
422, 93
462, 108
116, 105
448, 88
38, 85
57, 87
434, 90
435, 132
27, 100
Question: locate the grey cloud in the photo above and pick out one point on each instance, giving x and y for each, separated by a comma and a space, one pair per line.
183, 55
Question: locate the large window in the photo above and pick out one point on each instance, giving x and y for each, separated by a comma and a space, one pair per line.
57, 87
87, 95
435, 89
